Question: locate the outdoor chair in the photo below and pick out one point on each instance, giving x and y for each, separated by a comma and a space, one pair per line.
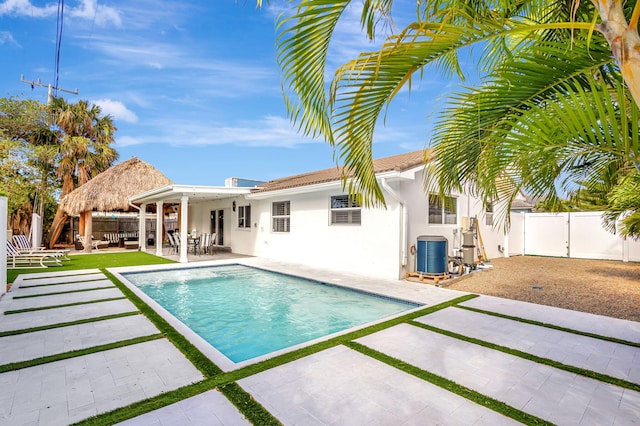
173, 246
96, 244
18, 259
212, 243
22, 244
203, 245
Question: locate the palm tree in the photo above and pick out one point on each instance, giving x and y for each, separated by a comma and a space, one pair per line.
84, 151
557, 102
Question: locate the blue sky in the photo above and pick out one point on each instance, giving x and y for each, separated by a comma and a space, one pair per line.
193, 86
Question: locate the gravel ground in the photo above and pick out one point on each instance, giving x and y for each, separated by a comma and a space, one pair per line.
601, 287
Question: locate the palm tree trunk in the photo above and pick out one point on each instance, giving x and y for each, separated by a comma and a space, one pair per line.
56, 227
61, 217
624, 41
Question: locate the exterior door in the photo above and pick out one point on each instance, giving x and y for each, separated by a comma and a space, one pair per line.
217, 225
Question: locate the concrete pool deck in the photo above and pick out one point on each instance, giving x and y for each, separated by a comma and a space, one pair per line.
339, 385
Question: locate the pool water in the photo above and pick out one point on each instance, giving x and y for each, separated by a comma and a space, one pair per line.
246, 312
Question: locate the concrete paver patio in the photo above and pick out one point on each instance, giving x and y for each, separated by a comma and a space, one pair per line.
335, 386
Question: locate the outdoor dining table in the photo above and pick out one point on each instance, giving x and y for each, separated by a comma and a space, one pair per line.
193, 243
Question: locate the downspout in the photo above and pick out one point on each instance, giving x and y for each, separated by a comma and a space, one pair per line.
405, 217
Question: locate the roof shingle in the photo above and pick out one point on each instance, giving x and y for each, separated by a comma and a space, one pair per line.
400, 162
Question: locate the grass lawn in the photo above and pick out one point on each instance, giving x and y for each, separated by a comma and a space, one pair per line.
92, 261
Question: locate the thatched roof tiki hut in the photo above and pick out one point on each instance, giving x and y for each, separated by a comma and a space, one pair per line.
110, 191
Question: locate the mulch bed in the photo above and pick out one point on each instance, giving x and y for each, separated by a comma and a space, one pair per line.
602, 287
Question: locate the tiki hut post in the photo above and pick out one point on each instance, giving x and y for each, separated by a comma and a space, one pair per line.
111, 190
88, 230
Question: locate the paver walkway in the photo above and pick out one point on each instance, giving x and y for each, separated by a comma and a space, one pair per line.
555, 395
613, 359
581, 321
339, 386
69, 390
210, 408
335, 386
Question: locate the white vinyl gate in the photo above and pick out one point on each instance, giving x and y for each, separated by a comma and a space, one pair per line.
577, 235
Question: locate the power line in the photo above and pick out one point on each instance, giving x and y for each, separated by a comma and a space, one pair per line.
56, 69
59, 26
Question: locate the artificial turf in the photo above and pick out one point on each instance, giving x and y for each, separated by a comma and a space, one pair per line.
93, 261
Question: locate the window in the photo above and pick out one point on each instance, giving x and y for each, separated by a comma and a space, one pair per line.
244, 217
280, 216
488, 215
442, 210
345, 210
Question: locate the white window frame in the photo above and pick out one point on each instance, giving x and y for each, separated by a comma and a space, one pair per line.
444, 214
281, 223
488, 214
347, 207
244, 219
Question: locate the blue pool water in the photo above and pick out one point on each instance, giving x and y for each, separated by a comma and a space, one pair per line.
246, 312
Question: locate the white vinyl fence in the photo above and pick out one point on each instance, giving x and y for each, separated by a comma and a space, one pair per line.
577, 235
4, 207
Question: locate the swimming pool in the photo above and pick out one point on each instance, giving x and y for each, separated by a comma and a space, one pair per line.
246, 312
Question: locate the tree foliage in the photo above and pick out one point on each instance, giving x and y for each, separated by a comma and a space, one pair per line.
46, 152
556, 106
84, 149
27, 156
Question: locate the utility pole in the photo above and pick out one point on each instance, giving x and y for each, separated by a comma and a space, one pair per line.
49, 86
38, 202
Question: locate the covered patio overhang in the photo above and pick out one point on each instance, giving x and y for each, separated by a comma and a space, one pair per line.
182, 195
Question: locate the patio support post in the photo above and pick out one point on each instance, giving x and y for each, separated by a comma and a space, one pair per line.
184, 208
142, 227
159, 222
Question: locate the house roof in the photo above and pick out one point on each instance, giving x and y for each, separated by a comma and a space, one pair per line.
399, 163
111, 189
174, 193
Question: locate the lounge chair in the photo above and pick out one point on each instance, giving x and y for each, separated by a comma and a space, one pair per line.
18, 259
22, 244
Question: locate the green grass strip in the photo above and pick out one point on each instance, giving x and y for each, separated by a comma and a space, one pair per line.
451, 386
75, 353
43, 308
60, 283
62, 292
65, 324
553, 326
546, 361
244, 402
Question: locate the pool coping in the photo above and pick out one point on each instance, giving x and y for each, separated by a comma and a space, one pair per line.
217, 357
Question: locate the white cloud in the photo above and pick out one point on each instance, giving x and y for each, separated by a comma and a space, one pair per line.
87, 9
268, 131
102, 15
116, 109
7, 38
127, 141
25, 8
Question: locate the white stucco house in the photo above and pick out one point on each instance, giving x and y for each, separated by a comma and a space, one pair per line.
309, 218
